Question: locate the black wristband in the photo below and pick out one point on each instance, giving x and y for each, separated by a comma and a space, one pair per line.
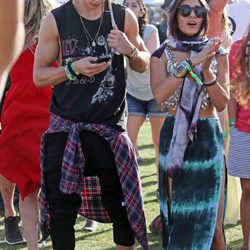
210, 83
189, 62
72, 72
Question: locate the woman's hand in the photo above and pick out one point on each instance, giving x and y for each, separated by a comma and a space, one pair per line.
206, 55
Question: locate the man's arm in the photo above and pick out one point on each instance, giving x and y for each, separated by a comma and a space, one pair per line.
48, 51
126, 43
12, 36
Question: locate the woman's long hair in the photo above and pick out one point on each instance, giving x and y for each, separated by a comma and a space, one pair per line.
241, 74
142, 20
34, 11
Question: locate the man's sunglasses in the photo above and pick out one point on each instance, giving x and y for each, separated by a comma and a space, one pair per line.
185, 11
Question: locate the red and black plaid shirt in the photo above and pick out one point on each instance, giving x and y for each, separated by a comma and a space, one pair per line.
72, 180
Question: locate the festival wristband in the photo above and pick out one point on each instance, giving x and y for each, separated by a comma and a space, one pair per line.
231, 123
68, 74
185, 69
226, 132
180, 72
196, 78
187, 66
72, 66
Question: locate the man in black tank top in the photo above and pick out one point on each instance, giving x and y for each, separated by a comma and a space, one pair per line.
87, 137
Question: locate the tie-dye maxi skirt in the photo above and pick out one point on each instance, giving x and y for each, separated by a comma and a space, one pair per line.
189, 220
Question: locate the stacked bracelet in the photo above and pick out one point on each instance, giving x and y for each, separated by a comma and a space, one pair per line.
186, 69
72, 66
70, 70
134, 53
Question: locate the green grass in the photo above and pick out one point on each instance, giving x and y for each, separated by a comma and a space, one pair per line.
102, 238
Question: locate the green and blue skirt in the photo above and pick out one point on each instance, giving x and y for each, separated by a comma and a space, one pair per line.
189, 216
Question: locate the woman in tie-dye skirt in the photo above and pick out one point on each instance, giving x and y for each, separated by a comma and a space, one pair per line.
189, 78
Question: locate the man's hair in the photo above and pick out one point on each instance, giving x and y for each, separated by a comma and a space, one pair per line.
173, 24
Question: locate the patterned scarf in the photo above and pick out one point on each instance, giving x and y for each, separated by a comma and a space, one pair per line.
185, 126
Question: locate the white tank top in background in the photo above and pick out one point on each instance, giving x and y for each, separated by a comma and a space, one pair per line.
138, 84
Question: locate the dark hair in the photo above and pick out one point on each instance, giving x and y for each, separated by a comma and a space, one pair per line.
241, 73
173, 24
142, 20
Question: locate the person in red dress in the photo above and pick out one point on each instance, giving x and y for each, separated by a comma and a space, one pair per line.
25, 116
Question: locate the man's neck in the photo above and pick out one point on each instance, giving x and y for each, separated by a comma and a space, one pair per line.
88, 10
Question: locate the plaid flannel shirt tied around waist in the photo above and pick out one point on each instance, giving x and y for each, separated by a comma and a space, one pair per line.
72, 180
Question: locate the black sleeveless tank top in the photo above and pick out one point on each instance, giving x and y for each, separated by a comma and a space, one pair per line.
99, 99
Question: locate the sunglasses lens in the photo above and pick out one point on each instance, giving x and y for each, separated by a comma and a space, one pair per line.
185, 10
200, 11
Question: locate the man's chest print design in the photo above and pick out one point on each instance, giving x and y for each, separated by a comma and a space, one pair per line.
106, 88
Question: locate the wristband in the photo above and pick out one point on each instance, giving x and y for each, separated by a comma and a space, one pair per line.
210, 83
231, 123
226, 132
190, 62
188, 67
180, 72
72, 66
68, 74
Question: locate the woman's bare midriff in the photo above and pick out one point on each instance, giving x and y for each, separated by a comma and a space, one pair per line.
209, 112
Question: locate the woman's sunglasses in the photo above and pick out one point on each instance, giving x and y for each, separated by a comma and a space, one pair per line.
185, 11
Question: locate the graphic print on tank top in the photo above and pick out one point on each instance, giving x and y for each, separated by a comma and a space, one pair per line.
105, 91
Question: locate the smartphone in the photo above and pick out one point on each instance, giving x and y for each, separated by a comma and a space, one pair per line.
103, 58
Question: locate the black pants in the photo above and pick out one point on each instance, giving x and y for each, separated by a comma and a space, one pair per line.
99, 161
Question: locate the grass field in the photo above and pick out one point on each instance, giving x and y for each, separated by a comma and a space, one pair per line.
102, 238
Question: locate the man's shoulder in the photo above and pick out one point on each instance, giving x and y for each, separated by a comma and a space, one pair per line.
61, 8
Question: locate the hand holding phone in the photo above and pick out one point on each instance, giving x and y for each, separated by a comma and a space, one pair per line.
103, 58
